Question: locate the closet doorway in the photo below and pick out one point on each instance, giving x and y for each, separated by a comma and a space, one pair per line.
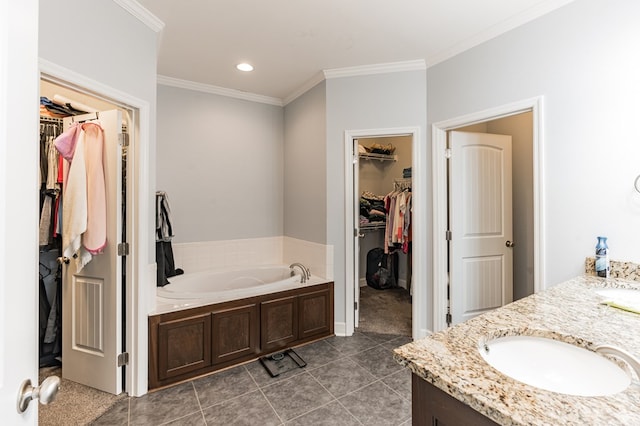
383, 188
87, 308
353, 233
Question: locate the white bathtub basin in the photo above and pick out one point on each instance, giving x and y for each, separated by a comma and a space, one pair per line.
555, 366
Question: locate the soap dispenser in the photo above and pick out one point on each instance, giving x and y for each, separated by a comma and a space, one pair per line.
602, 258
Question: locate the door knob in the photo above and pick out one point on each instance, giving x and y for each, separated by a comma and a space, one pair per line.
62, 260
45, 393
510, 243
360, 235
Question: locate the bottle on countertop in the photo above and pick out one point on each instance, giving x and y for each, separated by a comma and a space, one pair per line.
602, 258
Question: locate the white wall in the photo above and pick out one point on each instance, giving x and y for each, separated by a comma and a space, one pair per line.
366, 102
305, 198
583, 59
220, 160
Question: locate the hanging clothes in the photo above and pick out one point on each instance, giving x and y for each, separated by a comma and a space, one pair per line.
164, 234
397, 233
84, 211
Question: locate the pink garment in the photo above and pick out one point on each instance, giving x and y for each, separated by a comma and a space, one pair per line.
95, 237
84, 223
66, 141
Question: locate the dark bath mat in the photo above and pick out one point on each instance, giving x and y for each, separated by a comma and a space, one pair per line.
281, 362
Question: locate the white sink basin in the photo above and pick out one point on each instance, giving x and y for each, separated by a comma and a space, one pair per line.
555, 366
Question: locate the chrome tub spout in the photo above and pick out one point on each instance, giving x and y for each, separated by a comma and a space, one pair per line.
306, 274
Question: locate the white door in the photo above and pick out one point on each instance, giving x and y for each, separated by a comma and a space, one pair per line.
18, 206
356, 233
480, 212
91, 298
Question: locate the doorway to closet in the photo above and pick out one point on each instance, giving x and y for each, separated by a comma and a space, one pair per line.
383, 253
82, 314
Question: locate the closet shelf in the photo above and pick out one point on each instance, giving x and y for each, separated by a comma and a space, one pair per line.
380, 157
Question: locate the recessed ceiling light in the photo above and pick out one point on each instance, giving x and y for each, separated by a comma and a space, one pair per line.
244, 67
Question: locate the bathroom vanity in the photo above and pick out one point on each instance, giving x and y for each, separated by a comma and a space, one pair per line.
452, 384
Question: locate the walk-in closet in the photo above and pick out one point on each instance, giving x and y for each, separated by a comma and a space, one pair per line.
77, 281
384, 184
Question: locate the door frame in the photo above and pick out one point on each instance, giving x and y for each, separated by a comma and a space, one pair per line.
440, 273
418, 223
138, 296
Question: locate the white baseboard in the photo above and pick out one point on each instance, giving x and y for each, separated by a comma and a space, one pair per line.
340, 329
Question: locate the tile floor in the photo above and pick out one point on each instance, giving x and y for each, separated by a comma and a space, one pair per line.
347, 381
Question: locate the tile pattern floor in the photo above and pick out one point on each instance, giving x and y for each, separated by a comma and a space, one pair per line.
347, 381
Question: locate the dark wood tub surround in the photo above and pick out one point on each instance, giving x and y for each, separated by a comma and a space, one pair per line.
192, 342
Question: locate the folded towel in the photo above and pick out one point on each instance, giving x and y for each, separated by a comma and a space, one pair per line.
628, 300
625, 305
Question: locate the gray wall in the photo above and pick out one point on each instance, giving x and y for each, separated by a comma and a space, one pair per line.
366, 102
220, 160
102, 41
305, 195
582, 59
520, 127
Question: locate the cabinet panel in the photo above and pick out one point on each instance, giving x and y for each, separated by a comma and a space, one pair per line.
184, 345
278, 323
315, 313
234, 333
431, 406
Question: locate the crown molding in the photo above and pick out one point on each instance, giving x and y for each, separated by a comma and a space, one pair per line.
142, 14
385, 68
515, 21
217, 90
308, 85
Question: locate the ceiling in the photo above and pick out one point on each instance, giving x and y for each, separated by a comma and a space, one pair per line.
290, 42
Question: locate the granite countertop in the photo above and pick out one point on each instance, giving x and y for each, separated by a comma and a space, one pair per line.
570, 312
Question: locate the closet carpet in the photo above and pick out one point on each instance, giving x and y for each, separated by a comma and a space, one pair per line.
75, 404
385, 311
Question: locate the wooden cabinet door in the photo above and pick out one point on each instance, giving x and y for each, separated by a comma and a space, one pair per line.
315, 313
184, 345
234, 333
431, 406
278, 323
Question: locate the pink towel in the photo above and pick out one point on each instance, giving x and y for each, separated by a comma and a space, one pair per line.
66, 142
95, 237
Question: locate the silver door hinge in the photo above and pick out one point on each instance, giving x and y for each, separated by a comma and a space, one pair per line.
123, 139
447, 153
123, 249
449, 319
123, 359
355, 306
448, 235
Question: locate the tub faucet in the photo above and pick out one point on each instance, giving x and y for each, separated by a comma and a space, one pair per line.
306, 274
622, 354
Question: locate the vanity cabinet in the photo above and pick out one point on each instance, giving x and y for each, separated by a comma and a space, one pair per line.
192, 342
431, 406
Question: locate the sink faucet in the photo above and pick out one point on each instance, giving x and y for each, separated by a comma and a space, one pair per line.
306, 274
622, 354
